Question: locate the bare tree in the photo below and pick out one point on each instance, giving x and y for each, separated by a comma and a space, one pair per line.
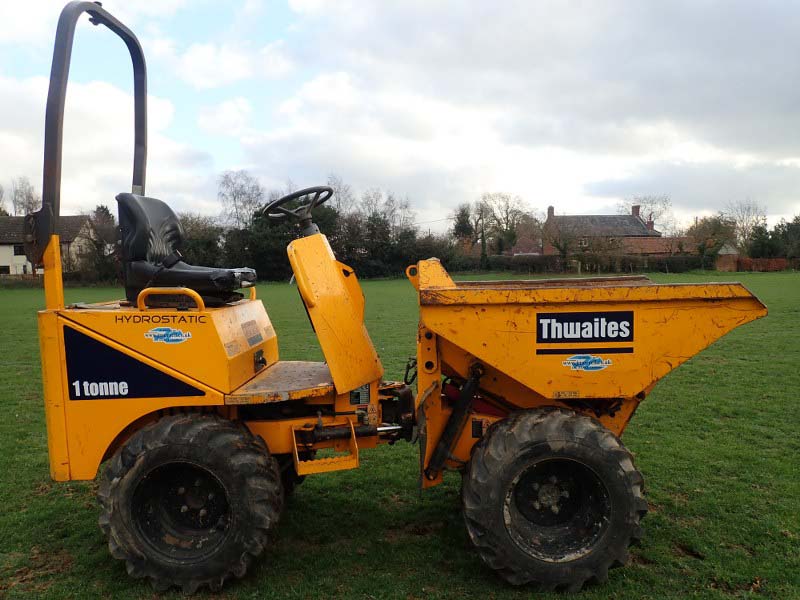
562, 235
395, 212
746, 215
3, 210
371, 201
654, 207
505, 210
344, 200
505, 213
398, 213
529, 234
24, 198
241, 195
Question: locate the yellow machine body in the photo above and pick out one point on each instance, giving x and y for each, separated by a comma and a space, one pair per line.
616, 337
96, 356
226, 359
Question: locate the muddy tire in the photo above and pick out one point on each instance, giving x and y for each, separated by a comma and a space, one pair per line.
189, 501
552, 498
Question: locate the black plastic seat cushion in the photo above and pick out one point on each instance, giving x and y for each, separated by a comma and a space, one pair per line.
151, 239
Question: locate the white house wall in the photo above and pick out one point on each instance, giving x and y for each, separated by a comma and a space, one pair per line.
17, 265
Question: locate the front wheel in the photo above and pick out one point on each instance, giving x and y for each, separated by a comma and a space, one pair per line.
552, 498
189, 501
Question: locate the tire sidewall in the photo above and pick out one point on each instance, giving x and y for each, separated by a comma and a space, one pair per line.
503, 455
240, 501
621, 501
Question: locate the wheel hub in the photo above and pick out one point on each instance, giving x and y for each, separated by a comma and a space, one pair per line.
557, 509
182, 510
550, 495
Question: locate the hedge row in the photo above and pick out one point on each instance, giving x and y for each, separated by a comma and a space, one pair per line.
369, 268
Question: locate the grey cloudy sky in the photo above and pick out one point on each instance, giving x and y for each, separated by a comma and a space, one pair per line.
575, 104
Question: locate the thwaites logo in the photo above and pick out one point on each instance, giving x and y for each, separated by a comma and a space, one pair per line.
168, 335
582, 327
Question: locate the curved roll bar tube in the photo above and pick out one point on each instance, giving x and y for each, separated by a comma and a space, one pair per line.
39, 226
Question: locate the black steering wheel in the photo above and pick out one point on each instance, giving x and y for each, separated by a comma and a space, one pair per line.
317, 195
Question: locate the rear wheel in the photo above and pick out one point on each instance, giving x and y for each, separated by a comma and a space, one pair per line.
189, 501
552, 498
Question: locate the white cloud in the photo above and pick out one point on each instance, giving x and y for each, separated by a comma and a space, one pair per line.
438, 153
445, 100
706, 187
211, 65
34, 21
309, 7
273, 62
215, 65
230, 117
98, 146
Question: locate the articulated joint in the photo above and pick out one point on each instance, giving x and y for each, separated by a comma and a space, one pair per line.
455, 424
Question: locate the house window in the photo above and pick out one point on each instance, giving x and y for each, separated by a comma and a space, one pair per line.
19, 250
5, 270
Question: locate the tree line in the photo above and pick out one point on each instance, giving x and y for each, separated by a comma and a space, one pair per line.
377, 233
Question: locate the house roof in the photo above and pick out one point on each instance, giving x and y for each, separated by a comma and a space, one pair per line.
604, 225
659, 245
69, 227
728, 249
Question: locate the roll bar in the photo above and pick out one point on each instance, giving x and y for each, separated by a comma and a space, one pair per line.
39, 226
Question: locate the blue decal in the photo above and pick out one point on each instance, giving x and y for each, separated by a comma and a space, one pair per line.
587, 362
168, 335
121, 376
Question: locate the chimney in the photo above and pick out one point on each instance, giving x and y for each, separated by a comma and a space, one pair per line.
550, 212
635, 210
650, 224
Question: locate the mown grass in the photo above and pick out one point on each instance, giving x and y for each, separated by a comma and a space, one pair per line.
718, 442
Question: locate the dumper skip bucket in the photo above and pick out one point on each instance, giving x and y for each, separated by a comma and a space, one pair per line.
590, 338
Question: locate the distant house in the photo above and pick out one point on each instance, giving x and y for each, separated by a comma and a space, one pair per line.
12, 252
625, 234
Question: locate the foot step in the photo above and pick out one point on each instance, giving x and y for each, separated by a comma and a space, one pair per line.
327, 464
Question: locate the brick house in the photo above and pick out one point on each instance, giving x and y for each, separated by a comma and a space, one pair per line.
12, 253
658, 246
625, 234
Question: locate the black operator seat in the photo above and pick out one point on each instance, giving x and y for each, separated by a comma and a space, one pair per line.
151, 239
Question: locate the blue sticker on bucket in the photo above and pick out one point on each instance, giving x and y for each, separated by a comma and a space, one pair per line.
587, 362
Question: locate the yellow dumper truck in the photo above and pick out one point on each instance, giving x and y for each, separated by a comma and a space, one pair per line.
178, 394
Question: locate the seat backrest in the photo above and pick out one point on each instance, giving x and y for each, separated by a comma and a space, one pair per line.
150, 229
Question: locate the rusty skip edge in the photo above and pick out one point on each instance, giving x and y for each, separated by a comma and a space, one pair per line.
264, 397
650, 293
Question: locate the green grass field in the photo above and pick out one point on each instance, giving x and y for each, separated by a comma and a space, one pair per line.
718, 442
